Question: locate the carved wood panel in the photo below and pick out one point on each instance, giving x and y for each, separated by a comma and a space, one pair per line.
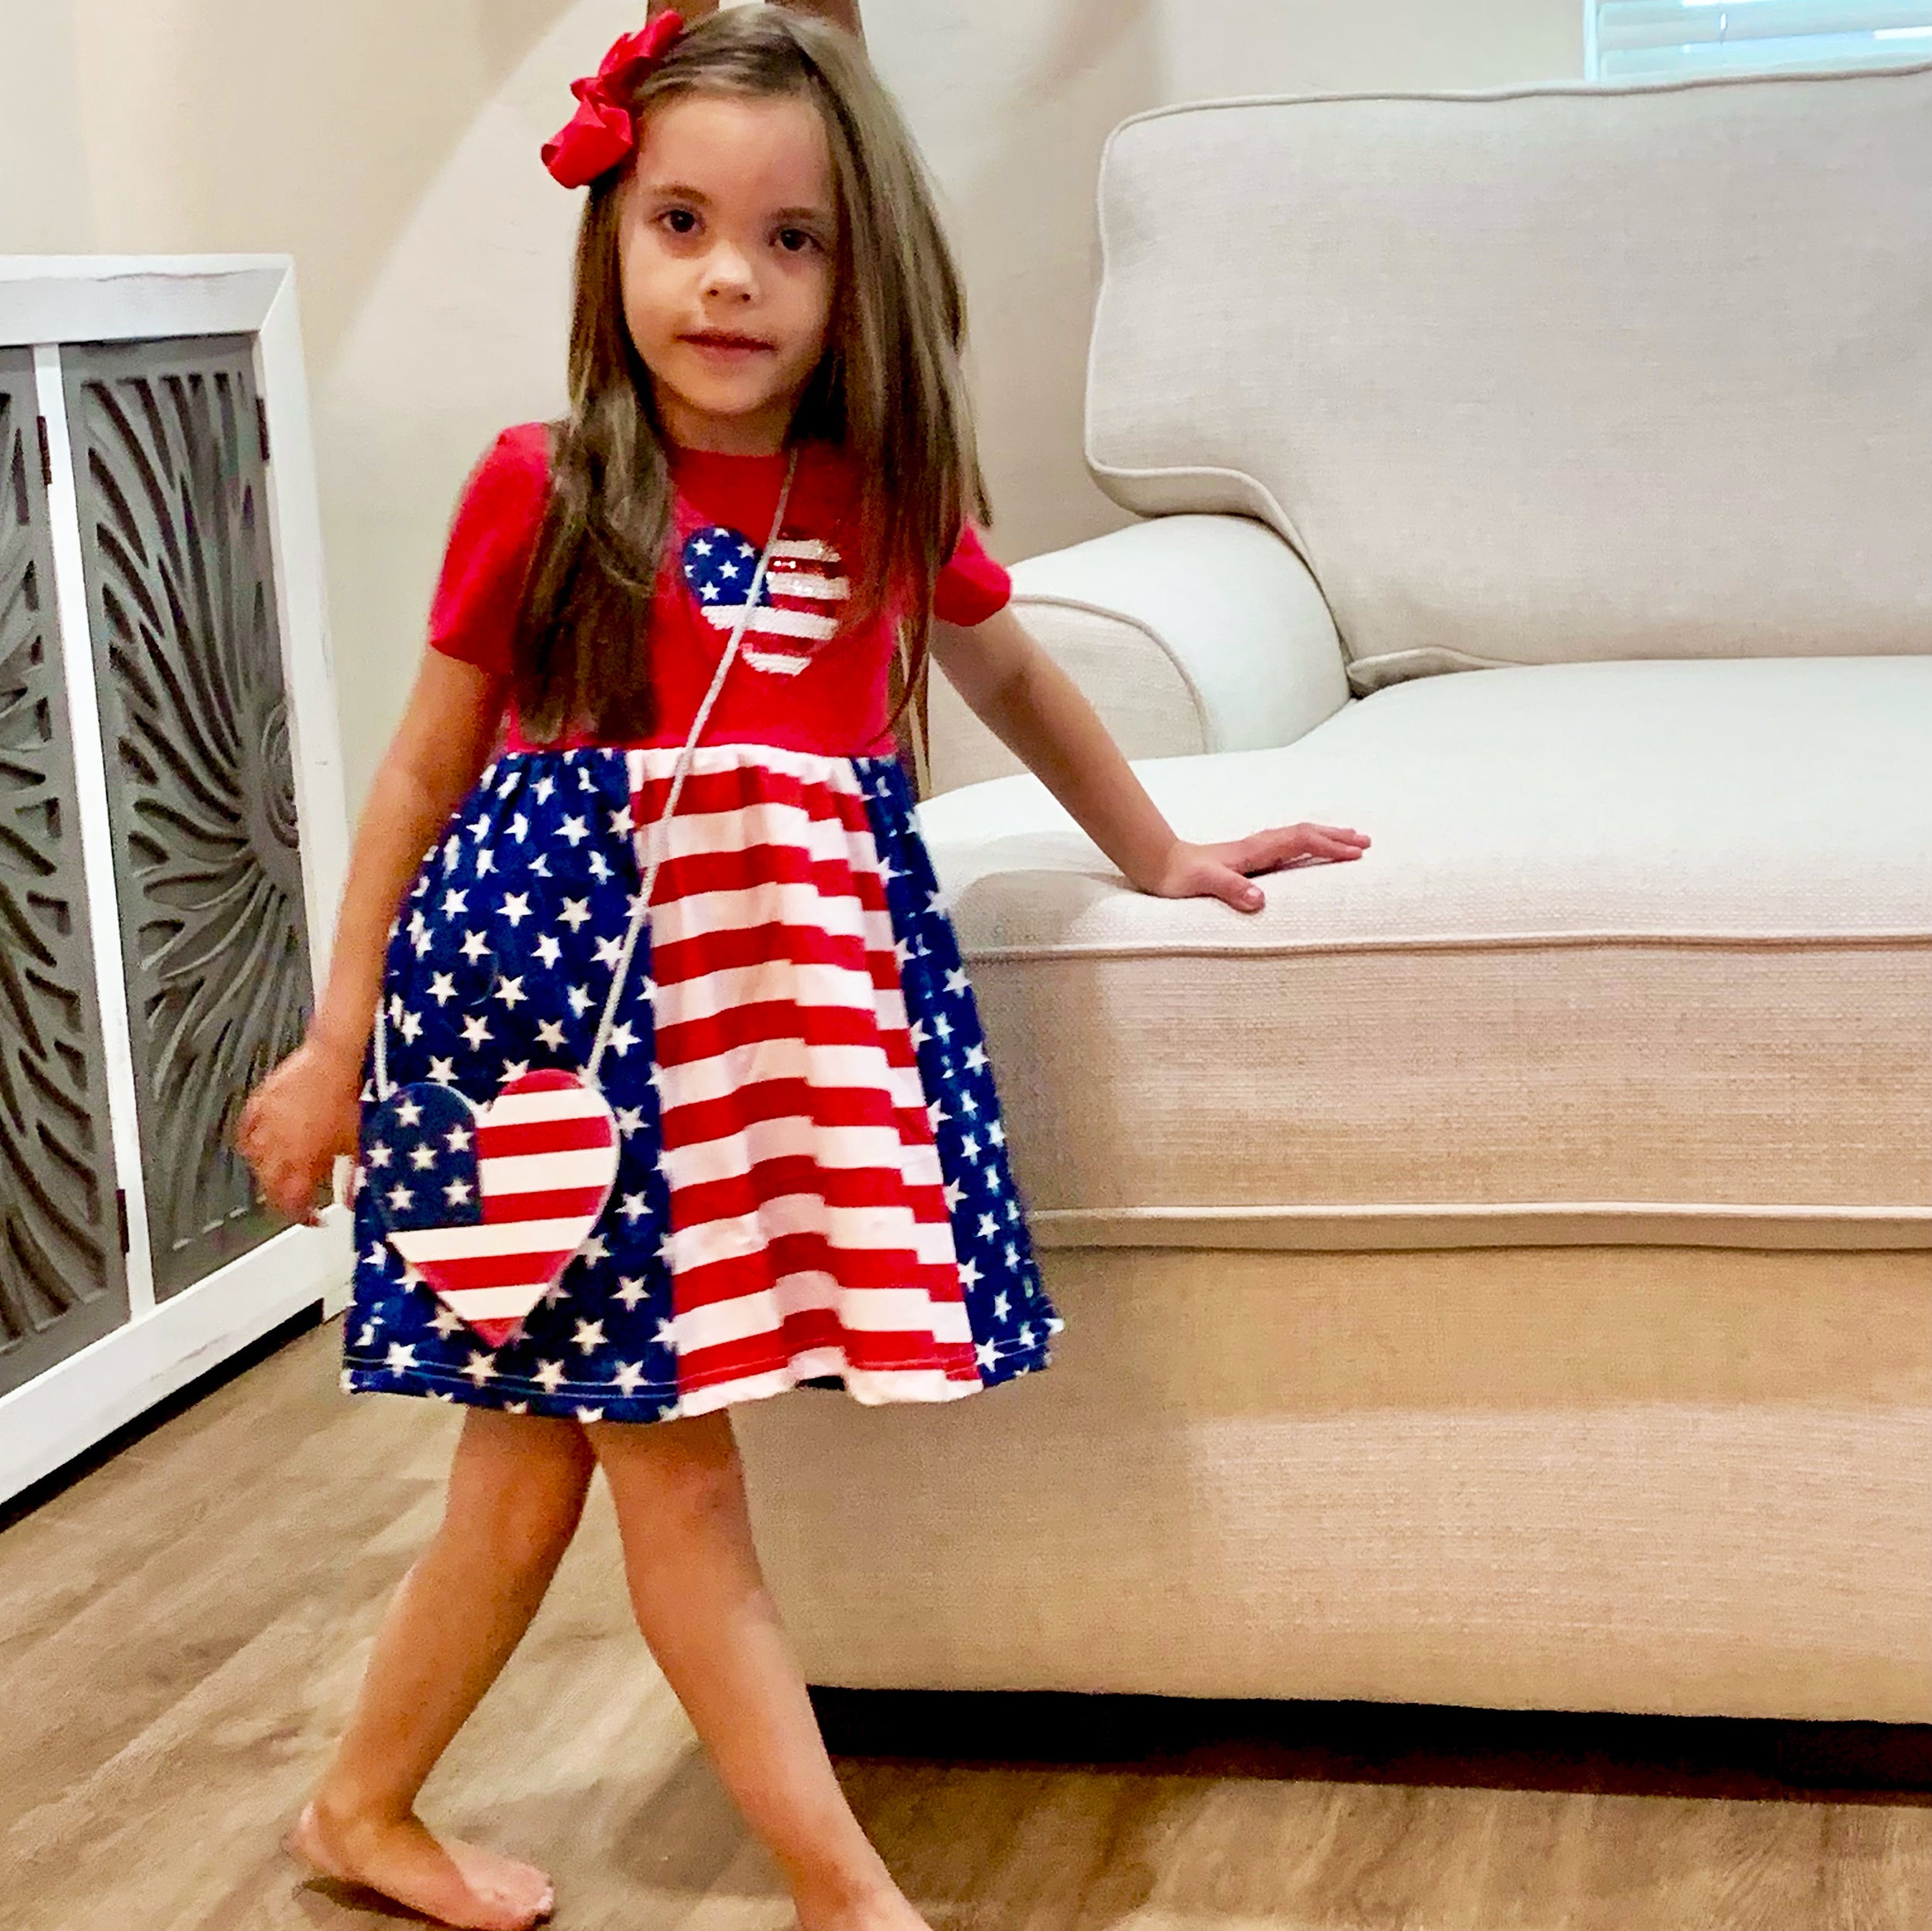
171, 476
62, 1280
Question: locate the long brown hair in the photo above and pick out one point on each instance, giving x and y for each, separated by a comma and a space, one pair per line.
889, 391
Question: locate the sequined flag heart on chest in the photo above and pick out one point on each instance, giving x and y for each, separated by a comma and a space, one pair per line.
490, 1203
797, 604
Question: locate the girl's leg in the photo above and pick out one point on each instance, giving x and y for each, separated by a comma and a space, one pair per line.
517, 1488
704, 1609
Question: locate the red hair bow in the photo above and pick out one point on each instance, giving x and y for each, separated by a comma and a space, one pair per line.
601, 133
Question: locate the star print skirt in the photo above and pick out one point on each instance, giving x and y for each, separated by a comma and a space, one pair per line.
812, 1185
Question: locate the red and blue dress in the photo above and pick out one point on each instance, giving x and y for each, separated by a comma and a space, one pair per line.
813, 1185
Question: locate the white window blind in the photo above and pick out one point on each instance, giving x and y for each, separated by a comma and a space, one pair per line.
1674, 40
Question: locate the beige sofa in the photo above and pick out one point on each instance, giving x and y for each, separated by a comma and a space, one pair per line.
1501, 1273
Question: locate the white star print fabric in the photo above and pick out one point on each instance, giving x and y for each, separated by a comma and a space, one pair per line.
813, 1186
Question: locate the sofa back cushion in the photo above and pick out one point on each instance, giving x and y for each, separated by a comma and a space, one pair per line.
1542, 376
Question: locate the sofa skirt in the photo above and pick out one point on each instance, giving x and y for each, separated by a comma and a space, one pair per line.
1687, 1480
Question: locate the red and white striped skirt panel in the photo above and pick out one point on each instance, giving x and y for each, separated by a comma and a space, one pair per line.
810, 1233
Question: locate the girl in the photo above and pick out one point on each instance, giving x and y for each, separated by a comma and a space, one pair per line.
684, 599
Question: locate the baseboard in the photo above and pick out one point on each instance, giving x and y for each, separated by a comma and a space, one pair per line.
63, 1413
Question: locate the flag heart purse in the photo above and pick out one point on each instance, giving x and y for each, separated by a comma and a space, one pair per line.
488, 1202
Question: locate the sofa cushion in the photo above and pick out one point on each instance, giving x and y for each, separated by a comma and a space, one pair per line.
1515, 393
1640, 951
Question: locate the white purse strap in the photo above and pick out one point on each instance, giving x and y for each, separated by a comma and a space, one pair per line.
640, 910
656, 833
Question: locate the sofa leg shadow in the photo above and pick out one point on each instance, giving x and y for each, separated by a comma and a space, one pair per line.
1598, 1752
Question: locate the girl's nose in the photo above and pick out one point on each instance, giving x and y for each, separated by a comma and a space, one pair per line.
727, 273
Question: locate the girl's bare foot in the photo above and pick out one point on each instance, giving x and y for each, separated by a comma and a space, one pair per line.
455, 1883
878, 1905
881, 1914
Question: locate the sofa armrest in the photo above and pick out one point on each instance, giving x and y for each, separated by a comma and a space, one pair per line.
1187, 634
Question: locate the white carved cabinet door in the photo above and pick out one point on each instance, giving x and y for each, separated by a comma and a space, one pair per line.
172, 830
63, 1284
170, 475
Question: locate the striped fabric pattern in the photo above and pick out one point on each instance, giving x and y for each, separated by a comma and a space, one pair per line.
501, 965
810, 1230
489, 1204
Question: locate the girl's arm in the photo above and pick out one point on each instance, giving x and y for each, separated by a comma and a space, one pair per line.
304, 1113
1036, 711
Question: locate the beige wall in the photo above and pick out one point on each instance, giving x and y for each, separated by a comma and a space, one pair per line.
44, 208
390, 145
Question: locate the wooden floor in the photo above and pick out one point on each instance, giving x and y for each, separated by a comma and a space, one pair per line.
181, 1629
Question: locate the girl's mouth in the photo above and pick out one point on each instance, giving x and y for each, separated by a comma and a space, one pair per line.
723, 345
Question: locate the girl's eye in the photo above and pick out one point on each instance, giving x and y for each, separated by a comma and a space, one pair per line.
795, 241
679, 221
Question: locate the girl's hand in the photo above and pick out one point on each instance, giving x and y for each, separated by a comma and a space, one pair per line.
297, 1121
304, 1113
1037, 711
1224, 871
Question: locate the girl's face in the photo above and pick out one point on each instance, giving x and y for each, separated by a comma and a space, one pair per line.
727, 252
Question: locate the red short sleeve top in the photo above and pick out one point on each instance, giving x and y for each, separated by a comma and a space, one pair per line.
798, 684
